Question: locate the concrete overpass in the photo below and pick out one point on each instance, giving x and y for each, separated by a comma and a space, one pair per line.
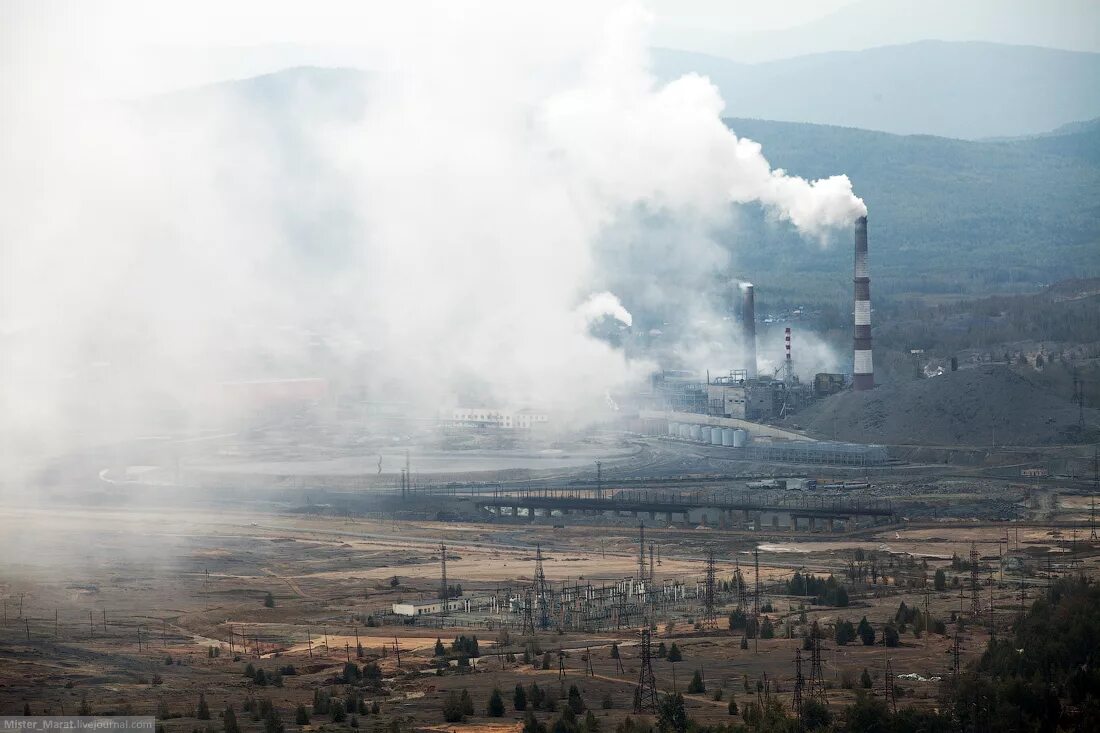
749, 512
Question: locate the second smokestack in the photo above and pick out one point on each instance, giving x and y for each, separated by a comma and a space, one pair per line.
864, 370
748, 328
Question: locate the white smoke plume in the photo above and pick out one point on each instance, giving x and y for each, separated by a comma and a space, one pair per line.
603, 304
436, 242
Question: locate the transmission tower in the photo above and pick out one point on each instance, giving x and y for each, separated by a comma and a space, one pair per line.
975, 590
956, 647
888, 681
1093, 536
817, 677
645, 694
652, 565
739, 579
799, 682
641, 552
710, 610
444, 592
528, 613
992, 617
756, 600
1079, 398
541, 591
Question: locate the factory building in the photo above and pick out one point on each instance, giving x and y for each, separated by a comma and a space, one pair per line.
736, 396
744, 394
501, 419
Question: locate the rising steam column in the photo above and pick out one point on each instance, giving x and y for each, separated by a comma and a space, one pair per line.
864, 368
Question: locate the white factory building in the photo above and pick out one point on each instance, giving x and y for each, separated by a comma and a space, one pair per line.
491, 417
435, 605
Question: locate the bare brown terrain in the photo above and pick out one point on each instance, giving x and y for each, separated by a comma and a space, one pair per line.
119, 611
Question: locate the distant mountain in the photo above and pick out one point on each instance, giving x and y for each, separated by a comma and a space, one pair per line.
946, 216
1064, 24
962, 90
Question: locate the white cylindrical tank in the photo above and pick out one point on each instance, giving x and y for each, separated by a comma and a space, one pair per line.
740, 438
673, 428
704, 433
727, 437
716, 436
696, 432
685, 431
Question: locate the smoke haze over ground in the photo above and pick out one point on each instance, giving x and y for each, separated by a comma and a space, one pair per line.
512, 170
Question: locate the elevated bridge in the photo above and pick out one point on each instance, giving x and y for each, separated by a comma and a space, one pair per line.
760, 510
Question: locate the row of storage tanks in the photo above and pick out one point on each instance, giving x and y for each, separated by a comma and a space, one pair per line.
729, 437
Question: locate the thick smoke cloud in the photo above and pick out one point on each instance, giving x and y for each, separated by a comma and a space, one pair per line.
449, 240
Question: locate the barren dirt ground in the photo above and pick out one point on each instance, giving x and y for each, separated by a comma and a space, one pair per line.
121, 609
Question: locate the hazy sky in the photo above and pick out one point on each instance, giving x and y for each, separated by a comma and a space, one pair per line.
128, 48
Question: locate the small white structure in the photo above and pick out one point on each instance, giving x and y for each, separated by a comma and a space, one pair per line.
494, 417
422, 608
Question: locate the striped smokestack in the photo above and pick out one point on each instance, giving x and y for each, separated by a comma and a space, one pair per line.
748, 326
864, 368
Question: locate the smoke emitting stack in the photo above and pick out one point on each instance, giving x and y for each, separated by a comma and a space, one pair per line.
788, 368
748, 325
864, 367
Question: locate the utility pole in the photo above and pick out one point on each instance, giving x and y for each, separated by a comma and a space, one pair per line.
599, 479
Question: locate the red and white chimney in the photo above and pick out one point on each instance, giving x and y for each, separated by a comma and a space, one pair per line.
864, 370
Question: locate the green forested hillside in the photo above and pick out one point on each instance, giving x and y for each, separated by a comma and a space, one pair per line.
946, 216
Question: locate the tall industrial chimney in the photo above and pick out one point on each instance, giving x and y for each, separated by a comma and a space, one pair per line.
864, 368
748, 326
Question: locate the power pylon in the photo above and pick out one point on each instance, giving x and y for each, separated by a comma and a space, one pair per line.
956, 647
641, 552
710, 610
444, 591
817, 677
888, 681
645, 694
739, 579
992, 617
799, 683
756, 600
543, 616
1093, 536
528, 613
975, 590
